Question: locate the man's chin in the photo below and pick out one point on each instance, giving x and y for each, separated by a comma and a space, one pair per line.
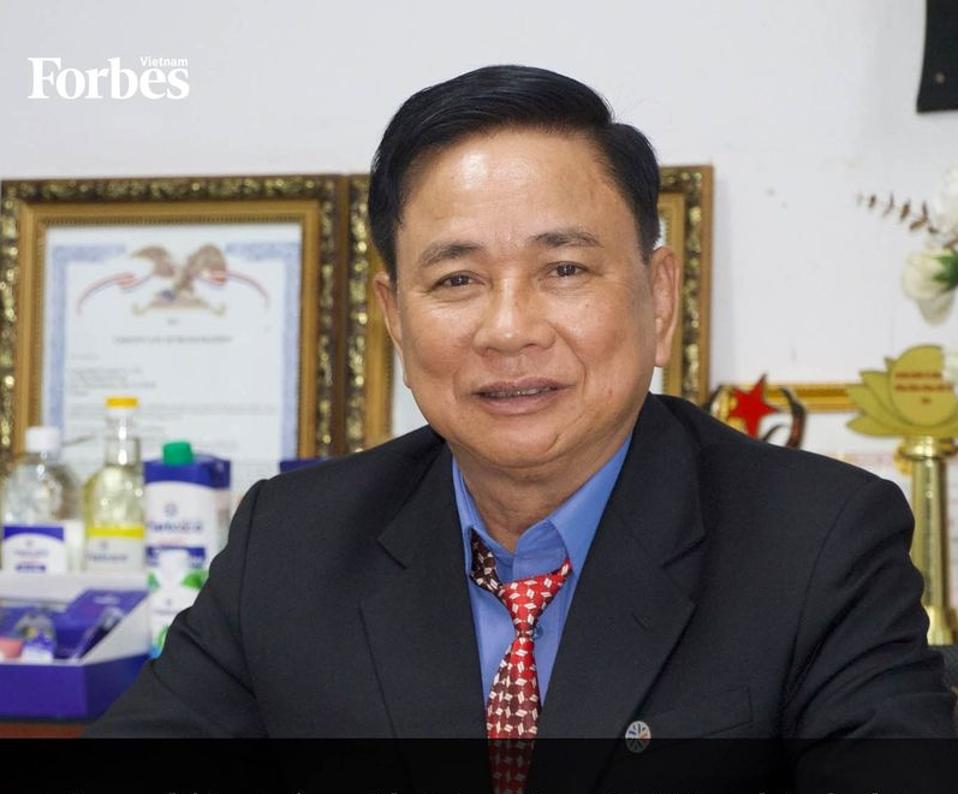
510, 452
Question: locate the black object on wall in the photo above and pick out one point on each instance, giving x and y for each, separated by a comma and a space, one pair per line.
939, 75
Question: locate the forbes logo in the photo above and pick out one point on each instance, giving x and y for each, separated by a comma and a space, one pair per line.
159, 78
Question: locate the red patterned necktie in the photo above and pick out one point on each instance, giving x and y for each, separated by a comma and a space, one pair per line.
512, 711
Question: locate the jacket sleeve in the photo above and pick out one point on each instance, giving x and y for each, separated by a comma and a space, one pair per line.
862, 667
199, 686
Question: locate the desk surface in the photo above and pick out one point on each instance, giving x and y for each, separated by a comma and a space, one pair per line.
40, 729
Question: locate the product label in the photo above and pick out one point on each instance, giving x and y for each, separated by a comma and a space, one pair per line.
115, 547
196, 554
34, 548
186, 515
171, 591
132, 531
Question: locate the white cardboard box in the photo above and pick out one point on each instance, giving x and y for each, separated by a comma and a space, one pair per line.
81, 688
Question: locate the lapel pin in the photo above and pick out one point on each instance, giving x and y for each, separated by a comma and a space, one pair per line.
637, 736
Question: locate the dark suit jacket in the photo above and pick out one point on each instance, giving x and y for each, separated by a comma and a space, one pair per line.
733, 589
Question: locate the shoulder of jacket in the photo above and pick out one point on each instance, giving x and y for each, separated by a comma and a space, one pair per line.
366, 474
723, 449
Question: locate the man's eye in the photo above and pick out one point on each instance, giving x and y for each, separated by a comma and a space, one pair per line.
568, 269
455, 280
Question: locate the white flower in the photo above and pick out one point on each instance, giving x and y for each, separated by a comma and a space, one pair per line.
920, 284
920, 280
944, 208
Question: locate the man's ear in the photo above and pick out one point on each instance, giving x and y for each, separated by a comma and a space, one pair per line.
389, 303
665, 281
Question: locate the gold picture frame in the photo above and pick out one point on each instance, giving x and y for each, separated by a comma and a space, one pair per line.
369, 359
344, 360
824, 397
685, 211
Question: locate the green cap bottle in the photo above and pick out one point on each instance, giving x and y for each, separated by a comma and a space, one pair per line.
177, 453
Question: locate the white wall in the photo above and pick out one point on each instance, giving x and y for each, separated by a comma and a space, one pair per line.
799, 105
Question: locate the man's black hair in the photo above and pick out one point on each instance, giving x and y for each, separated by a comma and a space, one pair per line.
506, 96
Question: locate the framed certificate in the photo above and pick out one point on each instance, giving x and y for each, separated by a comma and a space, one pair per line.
234, 309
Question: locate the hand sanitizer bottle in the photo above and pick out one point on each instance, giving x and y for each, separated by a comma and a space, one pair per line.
42, 531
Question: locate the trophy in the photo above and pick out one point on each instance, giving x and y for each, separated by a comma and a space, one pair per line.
744, 409
913, 400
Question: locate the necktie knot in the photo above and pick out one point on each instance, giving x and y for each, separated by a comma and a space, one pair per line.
525, 599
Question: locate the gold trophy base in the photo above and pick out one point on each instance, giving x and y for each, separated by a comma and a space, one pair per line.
929, 548
941, 625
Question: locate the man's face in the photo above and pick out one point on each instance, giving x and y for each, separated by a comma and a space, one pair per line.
527, 324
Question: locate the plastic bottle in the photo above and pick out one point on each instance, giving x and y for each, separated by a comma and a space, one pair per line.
39, 636
113, 496
42, 530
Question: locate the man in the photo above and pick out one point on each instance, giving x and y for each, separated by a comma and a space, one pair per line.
559, 554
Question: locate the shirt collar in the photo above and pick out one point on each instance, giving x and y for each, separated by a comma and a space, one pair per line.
575, 521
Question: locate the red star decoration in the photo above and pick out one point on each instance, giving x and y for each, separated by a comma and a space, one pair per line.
750, 407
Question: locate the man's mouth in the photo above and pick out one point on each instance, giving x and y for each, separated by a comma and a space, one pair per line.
513, 391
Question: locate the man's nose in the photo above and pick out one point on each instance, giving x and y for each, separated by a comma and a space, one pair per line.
514, 318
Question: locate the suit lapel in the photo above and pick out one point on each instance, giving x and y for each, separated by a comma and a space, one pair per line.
627, 612
419, 624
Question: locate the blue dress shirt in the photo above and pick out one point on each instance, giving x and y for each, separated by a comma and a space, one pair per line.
542, 548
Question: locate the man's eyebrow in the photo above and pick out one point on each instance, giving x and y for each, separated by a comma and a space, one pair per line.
554, 238
441, 251
557, 238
